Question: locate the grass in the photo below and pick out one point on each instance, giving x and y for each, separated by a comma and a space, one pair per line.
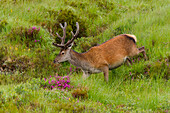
142, 87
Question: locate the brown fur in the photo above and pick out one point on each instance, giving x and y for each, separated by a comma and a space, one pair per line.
111, 52
108, 55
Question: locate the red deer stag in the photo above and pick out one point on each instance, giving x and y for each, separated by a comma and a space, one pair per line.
108, 55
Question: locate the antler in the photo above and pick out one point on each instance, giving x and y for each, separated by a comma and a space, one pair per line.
74, 35
62, 45
62, 38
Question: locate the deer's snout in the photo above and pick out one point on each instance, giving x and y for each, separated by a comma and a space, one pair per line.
54, 61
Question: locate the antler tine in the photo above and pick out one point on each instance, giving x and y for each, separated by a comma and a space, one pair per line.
58, 45
64, 33
74, 35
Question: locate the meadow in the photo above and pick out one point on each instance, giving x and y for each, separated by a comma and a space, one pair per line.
31, 82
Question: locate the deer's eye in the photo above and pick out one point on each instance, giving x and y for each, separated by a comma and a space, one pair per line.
62, 53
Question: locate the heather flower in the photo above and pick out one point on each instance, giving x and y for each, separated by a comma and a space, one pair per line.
52, 81
67, 85
58, 81
130, 73
35, 40
132, 78
68, 81
38, 40
40, 36
45, 79
70, 69
33, 27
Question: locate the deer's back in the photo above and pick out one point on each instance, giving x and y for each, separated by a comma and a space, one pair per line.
111, 52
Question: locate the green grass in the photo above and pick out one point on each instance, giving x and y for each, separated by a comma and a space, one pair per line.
142, 87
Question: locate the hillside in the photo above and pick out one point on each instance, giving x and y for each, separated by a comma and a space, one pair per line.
29, 80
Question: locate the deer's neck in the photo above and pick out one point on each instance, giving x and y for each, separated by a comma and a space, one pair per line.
78, 59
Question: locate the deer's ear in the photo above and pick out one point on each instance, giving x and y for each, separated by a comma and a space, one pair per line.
70, 45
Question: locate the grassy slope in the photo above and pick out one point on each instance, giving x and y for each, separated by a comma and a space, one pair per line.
148, 20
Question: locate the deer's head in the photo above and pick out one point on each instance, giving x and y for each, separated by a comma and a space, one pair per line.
64, 54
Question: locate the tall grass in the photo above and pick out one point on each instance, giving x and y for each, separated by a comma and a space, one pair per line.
142, 87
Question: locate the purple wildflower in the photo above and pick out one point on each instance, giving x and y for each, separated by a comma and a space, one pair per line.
57, 82
67, 85
70, 69
132, 78
34, 27
68, 81
52, 81
38, 40
35, 40
52, 87
130, 73
45, 79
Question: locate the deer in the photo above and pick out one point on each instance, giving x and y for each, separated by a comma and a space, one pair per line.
101, 58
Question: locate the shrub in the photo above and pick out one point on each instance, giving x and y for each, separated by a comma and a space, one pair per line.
84, 43
29, 36
64, 15
59, 82
80, 93
125, 28
16, 63
151, 69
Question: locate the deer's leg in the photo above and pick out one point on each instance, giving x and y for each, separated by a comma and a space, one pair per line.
142, 50
105, 70
85, 74
128, 61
